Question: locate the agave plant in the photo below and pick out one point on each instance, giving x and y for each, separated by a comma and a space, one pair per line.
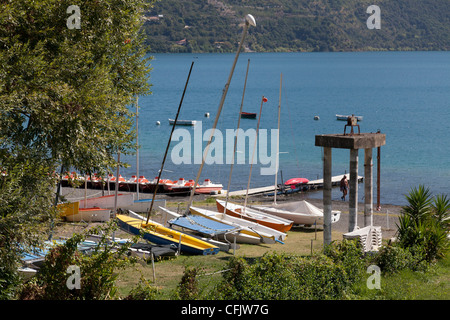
441, 210
419, 207
424, 223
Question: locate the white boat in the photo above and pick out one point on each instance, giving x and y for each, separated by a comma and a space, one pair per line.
208, 187
107, 202
266, 234
142, 205
345, 117
262, 218
183, 122
301, 212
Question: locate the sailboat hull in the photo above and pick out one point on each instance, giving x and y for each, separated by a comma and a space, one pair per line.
264, 219
301, 212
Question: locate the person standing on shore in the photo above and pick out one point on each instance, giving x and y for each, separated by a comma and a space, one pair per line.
344, 187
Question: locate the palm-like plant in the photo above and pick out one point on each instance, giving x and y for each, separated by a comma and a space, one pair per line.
424, 223
419, 200
441, 210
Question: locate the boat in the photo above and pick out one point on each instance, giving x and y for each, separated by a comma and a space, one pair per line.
204, 229
108, 202
179, 187
266, 235
345, 117
151, 185
141, 205
208, 187
208, 227
182, 122
296, 181
248, 115
265, 219
95, 181
293, 185
139, 249
89, 215
146, 250
142, 181
122, 182
300, 212
158, 234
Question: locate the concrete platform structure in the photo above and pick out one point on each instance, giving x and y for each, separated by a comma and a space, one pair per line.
353, 142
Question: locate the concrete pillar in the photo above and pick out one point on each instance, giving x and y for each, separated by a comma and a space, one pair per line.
326, 196
353, 192
368, 187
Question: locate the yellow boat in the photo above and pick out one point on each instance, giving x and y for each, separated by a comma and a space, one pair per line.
158, 234
73, 212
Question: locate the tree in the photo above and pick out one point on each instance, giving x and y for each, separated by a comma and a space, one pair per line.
67, 91
64, 102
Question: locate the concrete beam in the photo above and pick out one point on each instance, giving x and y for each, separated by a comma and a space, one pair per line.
356, 141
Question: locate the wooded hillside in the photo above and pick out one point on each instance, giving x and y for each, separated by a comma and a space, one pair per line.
297, 25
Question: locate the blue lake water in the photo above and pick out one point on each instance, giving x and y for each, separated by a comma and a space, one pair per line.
405, 95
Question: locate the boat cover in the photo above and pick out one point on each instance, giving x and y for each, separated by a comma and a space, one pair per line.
201, 224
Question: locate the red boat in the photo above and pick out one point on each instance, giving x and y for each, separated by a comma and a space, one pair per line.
296, 181
248, 115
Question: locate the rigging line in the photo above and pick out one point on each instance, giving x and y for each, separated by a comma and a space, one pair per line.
236, 136
253, 154
168, 144
222, 101
292, 131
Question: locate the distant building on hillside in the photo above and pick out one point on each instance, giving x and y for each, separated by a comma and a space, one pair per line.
181, 42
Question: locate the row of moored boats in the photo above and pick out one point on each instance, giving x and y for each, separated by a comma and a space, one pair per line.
180, 186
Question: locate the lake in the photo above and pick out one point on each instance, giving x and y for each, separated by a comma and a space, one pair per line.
405, 95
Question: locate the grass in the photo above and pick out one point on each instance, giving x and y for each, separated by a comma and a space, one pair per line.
169, 272
405, 285
408, 285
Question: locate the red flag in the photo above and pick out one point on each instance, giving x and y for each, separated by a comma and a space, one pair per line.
264, 99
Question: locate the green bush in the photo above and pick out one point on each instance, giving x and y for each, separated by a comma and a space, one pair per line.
188, 288
279, 276
392, 259
424, 223
98, 270
143, 291
349, 254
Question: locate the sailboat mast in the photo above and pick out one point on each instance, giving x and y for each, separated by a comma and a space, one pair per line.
137, 149
236, 136
278, 146
263, 99
248, 20
168, 144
